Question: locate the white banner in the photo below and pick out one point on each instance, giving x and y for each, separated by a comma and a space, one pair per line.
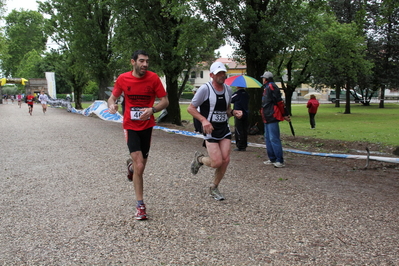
52, 91
100, 109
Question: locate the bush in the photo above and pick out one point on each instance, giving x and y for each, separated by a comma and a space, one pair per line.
61, 96
187, 95
87, 98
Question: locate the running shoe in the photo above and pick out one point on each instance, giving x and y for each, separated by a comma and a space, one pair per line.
129, 164
278, 165
268, 162
140, 213
215, 193
195, 165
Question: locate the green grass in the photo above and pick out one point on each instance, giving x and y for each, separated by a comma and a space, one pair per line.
365, 123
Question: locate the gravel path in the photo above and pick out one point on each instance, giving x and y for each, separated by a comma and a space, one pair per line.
65, 200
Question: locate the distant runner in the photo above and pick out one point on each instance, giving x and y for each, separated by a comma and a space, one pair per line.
19, 99
43, 98
29, 100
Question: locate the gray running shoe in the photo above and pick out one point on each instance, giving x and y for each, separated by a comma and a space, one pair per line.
195, 165
215, 193
278, 165
268, 162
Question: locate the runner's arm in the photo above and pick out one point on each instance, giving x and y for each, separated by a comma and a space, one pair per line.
162, 104
112, 106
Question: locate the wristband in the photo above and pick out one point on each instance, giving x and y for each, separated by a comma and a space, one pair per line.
154, 110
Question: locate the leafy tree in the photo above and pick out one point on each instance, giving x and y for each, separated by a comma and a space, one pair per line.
379, 22
91, 88
339, 58
10, 89
54, 61
84, 30
346, 11
262, 30
174, 35
76, 78
28, 66
24, 31
3, 46
2, 6
383, 44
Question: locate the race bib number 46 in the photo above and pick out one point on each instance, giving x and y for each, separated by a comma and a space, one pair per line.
219, 116
135, 113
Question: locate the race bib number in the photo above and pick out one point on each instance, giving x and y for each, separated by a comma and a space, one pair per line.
135, 113
219, 116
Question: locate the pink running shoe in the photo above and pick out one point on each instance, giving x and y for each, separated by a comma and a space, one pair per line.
141, 214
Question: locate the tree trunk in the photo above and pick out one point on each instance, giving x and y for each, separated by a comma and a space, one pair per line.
255, 69
104, 80
255, 103
101, 90
78, 96
337, 96
382, 98
289, 91
348, 100
173, 109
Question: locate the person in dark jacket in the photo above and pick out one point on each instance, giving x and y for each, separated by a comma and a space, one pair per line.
273, 111
312, 105
240, 99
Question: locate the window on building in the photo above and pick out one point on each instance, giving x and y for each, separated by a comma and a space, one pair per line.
193, 75
202, 74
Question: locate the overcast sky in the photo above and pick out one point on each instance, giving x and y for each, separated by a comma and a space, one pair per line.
18, 4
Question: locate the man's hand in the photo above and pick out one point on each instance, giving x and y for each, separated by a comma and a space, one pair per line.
237, 113
207, 127
147, 112
113, 108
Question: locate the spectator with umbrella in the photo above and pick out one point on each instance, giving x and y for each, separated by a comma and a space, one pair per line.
240, 99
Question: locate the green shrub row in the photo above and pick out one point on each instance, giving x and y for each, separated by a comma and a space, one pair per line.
85, 97
187, 95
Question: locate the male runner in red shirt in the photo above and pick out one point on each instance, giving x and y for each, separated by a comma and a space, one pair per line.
30, 100
140, 88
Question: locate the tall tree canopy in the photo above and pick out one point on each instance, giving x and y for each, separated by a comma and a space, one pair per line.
84, 30
261, 30
24, 31
383, 44
176, 38
339, 57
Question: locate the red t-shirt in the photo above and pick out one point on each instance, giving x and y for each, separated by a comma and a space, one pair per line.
29, 99
138, 93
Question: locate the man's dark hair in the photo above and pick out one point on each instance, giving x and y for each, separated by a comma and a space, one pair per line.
136, 54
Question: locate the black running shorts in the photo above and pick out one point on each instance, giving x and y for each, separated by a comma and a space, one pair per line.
139, 141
